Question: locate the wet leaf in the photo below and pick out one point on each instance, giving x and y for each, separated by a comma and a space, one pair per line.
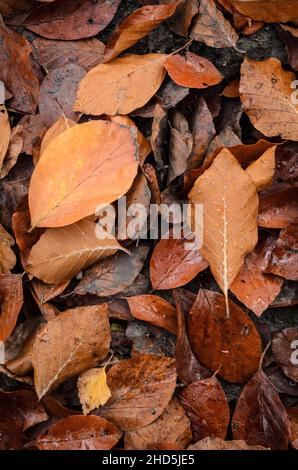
70, 344
90, 164
21, 408
284, 257
118, 87
141, 389
278, 208
284, 349
93, 389
80, 433
11, 301
260, 417
234, 341
206, 406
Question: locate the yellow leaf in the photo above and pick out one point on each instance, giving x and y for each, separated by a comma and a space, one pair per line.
93, 389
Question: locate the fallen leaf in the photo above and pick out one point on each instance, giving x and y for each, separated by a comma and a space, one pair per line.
266, 96
16, 70
290, 37
272, 11
203, 130
232, 89
293, 418
173, 424
230, 204
260, 417
173, 264
61, 125
158, 134
71, 20
262, 170
254, 288
93, 389
278, 208
15, 147
215, 443
284, 344
122, 85
58, 92
114, 274
284, 257
181, 20
212, 28
155, 310
69, 344
79, 433
90, 164
13, 7
7, 256
5, 132
288, 295
234, 341
11, 301
193, 71
141, 389
61, 253
149, 339
136, 26
287, 162
181, 143
52, 54
171, 94
206, 406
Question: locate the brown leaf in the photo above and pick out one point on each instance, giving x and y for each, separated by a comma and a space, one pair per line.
266, 96
93, 389
80, 433
16, 71
172, 425
206, 406
118, 87
269, 11
232, 89
71, 20
173, 265
141, 389
284, 258
252, 286
212, 28
136, 26
193, 71
290, 37
260, 417
90, 164
215, 443
15, 147
155, 310
293, 418
287, 162
181, 20
13, 7
203, 130
11, 301
288, 295
61, 253
230, 204
58, 93
54, 54
61, 125
159, 133
262, 170
5, 131
284, 349
181, 143
70, 344
114, 274
278, 208
188, 368
7, 256
234, 341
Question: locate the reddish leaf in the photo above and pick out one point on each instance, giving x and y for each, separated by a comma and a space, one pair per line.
11, 301
260, 418
278, 208
21, 409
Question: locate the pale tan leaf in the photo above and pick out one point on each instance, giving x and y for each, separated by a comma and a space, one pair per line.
93, 389
122, 85
54, 131
7, 256
262, 170
62, 252
230, 207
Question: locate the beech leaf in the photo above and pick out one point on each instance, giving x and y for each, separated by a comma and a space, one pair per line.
11, 301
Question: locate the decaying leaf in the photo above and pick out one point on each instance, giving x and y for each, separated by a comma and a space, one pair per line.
212, 28
215, 443
80, 433
155, 310
267, 97
61, 253
90, 164
93, 389
7, 256
11, 301
172, 426
229, 345
206, 406
174, 264
136, 26
141, 389
284, 257
122, 85
230, 204
203, 130
192, 71
69, 344
284, 349
71, 20
260, 417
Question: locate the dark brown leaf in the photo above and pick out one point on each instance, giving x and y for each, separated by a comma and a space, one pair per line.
181, 144
285, 351
284, 258
278, 208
